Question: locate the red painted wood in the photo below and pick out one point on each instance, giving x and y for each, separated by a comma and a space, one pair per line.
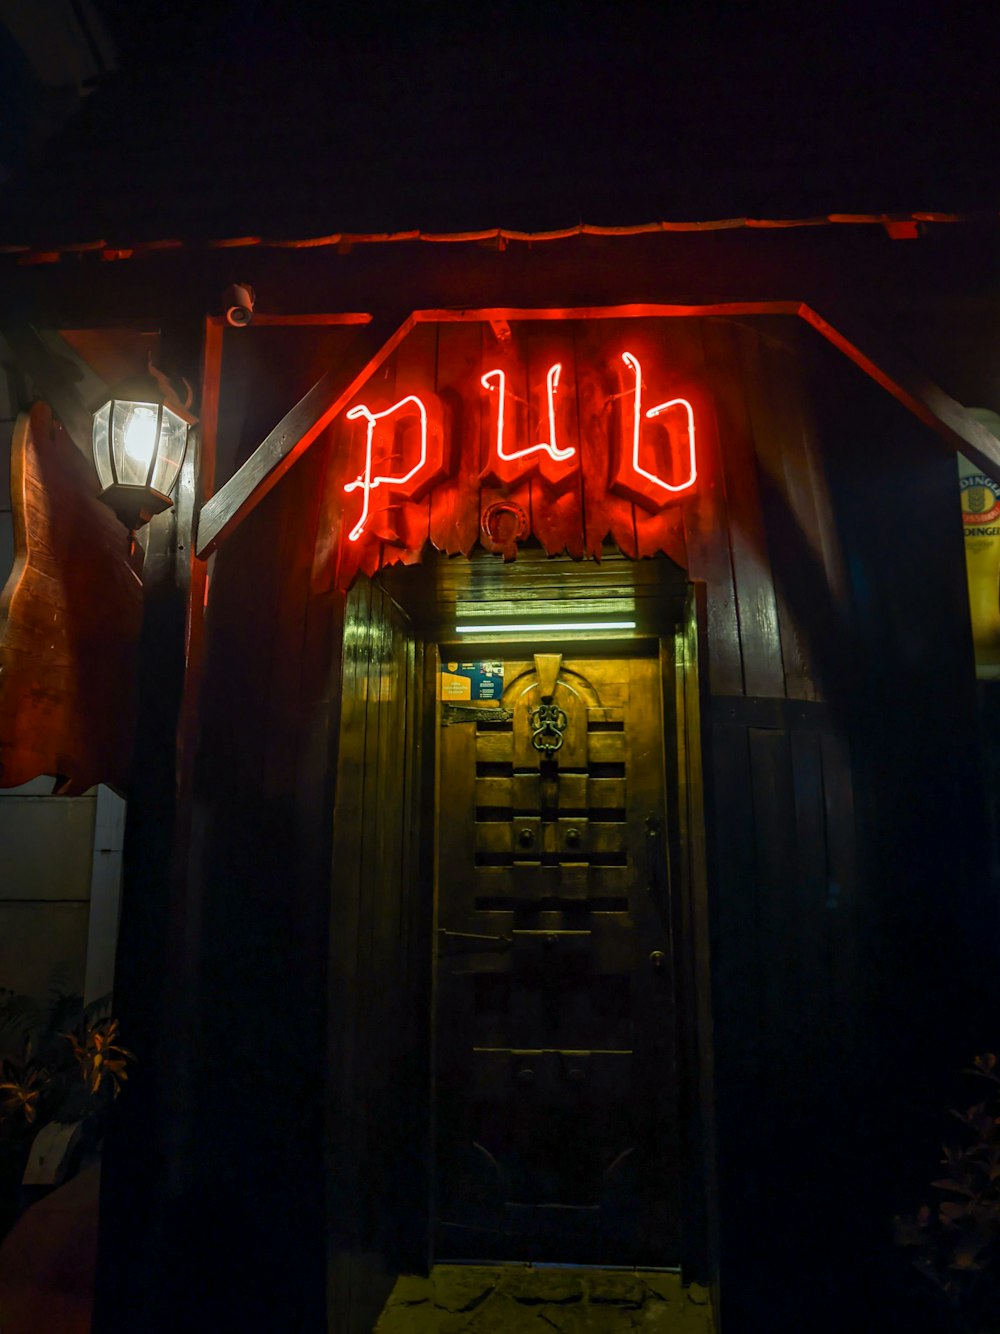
673, 365
70, 615
367, 554
499, 502
454, 520
556, 489
597, 382
407, 521
113, 354
506, 355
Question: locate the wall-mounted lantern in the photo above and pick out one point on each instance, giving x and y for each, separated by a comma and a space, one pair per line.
139, 446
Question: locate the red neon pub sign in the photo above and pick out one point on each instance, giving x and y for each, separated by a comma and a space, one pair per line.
571, 432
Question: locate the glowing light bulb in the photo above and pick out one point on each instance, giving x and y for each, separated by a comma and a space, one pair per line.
140, 436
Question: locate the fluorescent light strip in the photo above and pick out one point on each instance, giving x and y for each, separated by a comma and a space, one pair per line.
545, 609
538, 627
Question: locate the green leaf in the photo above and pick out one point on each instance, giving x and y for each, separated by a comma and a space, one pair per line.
956, 1187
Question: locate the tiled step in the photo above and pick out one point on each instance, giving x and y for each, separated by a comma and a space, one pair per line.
509, 1299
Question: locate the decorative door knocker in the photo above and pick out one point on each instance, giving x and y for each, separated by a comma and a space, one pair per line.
548, 722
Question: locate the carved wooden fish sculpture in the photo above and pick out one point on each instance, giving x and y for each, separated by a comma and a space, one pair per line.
70, 616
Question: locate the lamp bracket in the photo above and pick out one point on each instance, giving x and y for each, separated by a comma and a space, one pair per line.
135, 505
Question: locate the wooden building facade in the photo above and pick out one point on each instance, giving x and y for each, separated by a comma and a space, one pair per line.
660, 949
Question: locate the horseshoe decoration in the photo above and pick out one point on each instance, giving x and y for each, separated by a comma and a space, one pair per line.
504, 524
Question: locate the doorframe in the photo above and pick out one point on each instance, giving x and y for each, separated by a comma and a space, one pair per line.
683, 677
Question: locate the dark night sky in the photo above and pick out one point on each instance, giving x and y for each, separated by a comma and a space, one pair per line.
453, 116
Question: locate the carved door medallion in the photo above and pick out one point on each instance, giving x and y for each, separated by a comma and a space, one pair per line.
555, 1116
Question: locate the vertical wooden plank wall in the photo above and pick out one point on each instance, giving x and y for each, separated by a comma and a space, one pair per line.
841, 771
375, 1146
925, 981
761, 537
248, 1193
252, 1199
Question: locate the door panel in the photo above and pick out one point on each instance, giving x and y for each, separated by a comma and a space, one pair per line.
556, 1125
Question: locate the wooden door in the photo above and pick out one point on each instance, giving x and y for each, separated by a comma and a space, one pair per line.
555, 1072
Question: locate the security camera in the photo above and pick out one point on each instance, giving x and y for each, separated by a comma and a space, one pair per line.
237, 301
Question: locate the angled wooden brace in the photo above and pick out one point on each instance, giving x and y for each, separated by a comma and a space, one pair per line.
374, 343
874, 353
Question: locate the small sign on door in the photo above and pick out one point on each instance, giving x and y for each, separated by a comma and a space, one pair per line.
471, 680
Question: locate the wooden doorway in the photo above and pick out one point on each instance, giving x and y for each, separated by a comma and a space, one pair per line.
651, 1203
556, 1071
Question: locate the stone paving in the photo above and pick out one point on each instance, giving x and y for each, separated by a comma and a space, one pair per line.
511, 1299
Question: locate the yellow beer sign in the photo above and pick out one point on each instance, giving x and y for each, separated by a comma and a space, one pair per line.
980, 497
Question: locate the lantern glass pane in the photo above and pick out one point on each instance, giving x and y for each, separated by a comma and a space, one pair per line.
102, 457
133, 441
173, 440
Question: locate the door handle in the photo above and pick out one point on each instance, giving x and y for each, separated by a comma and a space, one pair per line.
656, 855
471, 713
467, 942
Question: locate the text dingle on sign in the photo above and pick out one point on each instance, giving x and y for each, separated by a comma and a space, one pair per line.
409, 435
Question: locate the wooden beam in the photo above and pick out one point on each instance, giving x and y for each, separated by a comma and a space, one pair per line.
196, 570
297, 430
633, 310
860, 339
36, 359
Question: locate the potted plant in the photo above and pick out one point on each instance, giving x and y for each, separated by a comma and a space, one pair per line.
955, 1244
61, 1066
